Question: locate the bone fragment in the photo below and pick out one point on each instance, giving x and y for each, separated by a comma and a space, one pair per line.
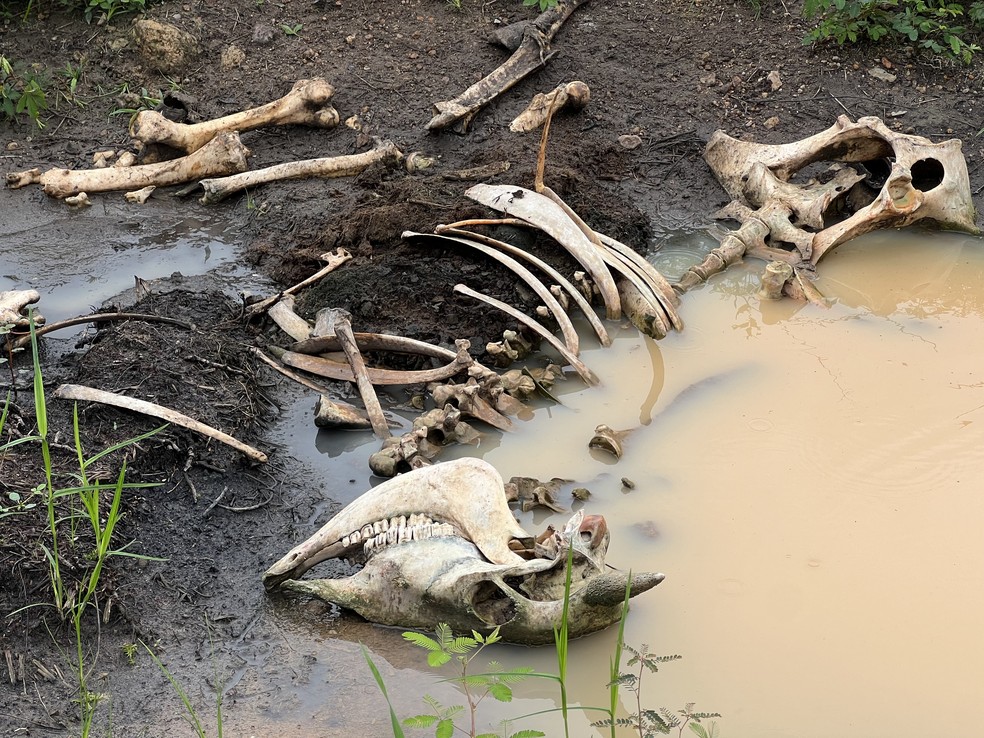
305, 104
775, 276
468, 399
125, 159
532, 54
559, 278
336, 322
282, 313
80, 200
547, 215
90, 394
223, 155
563, 320
656, 281
329, 413
572, 95
332, 262
608, 439
13, 303
376, 342
23, 179
579, 366
139, 196
329, 167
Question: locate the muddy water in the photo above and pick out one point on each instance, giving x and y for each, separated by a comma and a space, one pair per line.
77, 258
808, 480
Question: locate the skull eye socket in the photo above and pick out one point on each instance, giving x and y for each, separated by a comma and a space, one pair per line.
491, 604
927, 174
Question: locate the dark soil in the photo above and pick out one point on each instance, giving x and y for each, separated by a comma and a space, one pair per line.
670, 73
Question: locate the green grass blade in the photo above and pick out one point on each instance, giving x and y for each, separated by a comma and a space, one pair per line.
189, 708
394, 720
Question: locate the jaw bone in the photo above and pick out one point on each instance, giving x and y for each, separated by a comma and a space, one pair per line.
454, 563
442, 492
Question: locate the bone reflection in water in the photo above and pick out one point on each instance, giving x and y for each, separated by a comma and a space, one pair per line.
448, 540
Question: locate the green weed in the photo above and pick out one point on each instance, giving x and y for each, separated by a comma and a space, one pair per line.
21, 93
941, 27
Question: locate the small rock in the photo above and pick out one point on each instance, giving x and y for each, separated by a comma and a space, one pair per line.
628, 483
165, 47
262, 34
630, 141
774, 80
772, 122
580, 493
881, 74
13, 146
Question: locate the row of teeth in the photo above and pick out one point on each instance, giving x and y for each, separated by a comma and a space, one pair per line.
396, 530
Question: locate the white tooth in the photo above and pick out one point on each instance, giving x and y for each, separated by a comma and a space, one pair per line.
394, 523
384, 525
377, 527
346, 541
355, 537
367, 531
401, 521
404, 534
424, 531
368, 546
413, 520
424, 520
392, 534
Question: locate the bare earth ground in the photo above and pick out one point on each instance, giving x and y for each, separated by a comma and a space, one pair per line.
670, 73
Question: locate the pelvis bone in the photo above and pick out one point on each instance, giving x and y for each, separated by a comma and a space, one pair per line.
878, 179
442, 546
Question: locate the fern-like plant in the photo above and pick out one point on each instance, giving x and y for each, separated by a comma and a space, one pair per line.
495, 682
648, 723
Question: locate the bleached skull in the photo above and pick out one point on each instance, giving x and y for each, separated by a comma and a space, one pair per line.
441, 546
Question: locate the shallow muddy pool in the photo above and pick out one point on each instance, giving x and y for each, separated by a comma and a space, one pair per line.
807, 479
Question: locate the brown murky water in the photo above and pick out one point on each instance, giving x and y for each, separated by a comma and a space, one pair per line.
807, 479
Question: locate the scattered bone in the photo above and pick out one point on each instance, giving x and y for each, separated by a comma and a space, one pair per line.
282, 313
775, 276
656, 281
305, 104
646, 316
532, 54
223, 155
23, 179
378, 342
218, 189
579, 366
80, 200
572, 95
608, 439
468, 399
125, 159
531, 493
13, 305
417, 161
139, 196
555, 309
102, 159
484, 171
329, 413
332, 262
90, 394
547, 215
335, 322
512, 348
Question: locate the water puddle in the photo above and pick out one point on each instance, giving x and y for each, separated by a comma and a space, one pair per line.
806, 479
77, 258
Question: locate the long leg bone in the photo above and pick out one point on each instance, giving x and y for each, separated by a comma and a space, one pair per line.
547, 215
306, 104
222, 155
531, 54
559, 278
335, 322
218, 189
563, 320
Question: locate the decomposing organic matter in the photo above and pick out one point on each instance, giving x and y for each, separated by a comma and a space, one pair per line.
441, 546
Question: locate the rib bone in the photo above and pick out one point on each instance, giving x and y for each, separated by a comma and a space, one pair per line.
305, 104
